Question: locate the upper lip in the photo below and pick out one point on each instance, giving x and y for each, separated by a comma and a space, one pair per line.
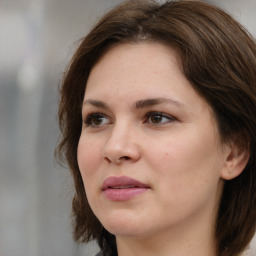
122, 181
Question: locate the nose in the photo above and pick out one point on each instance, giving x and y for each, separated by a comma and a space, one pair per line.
122, 145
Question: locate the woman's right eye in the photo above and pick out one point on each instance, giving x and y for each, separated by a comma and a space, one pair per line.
96, 120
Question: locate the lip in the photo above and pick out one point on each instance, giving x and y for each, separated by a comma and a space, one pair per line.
123, 188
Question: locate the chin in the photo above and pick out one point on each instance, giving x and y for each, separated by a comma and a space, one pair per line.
121, 224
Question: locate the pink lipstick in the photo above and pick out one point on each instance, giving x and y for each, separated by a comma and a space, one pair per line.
123, 188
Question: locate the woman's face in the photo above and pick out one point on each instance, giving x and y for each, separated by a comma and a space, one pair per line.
149, 153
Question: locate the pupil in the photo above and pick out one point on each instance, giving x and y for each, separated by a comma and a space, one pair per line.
156, 119
98, 120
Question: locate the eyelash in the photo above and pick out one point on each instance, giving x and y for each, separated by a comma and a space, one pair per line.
161, 115
89, 121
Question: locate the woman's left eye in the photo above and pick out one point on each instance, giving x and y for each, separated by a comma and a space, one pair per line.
156, 118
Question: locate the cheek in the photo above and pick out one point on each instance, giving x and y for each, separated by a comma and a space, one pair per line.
88, 157
187, 161
189, 176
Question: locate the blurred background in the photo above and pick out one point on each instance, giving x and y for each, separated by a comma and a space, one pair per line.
37, 39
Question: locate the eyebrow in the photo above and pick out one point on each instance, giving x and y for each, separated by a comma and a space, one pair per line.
96, 103
138, 104
156, 101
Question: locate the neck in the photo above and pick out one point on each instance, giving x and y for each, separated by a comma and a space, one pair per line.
163, 246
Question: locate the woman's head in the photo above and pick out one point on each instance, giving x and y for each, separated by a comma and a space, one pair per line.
218, 59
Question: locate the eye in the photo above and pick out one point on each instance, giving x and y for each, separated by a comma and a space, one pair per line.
96, 120
157, 118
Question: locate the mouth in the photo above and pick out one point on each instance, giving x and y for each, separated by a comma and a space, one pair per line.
123, 188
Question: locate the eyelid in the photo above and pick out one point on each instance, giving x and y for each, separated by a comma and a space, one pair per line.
87, 120
163, 115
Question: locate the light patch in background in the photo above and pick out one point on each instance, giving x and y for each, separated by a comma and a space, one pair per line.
14, 39
28, 77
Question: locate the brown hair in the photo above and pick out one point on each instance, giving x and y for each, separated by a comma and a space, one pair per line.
219, 59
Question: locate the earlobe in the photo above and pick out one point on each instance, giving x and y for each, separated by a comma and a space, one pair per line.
235, 162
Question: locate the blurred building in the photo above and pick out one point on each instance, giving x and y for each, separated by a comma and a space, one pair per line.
37, 38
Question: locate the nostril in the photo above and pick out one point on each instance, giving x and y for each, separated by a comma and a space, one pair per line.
107, 159
117, 160
125, 158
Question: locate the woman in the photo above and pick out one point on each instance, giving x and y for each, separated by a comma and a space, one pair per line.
157, 113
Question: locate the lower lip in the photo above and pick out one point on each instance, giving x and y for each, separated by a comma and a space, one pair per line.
124, 194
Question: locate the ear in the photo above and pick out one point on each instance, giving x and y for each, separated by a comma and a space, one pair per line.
236, 159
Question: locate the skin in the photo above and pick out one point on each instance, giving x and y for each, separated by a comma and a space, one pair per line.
177, 152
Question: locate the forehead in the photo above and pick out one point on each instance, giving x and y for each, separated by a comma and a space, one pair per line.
134, 63
149, 46
142, 69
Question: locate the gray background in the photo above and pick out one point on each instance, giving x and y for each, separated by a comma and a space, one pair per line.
37, 38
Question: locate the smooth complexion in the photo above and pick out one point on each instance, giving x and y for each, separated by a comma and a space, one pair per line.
144, 121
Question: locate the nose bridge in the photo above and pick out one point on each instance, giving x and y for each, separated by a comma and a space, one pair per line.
121, 143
